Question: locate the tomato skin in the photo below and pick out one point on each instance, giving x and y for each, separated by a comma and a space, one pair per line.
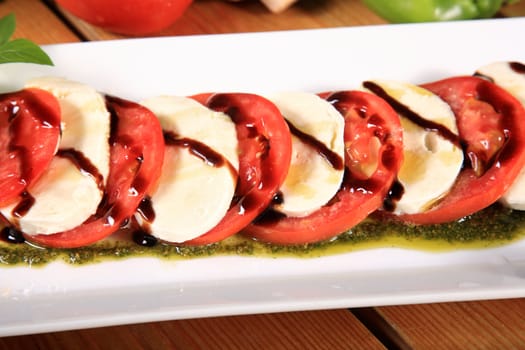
471, 191
265, 151
358, 196
129, 17
136, 156
29, 136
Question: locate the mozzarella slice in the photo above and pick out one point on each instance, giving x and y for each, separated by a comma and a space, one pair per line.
312, 180
431, 162
193, 195
64, 198
67, 195
512, 80
85, 119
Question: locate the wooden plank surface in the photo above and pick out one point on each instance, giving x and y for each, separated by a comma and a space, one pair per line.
514, 10
481, 325
37, 22
336, 329
218, 16
492, 324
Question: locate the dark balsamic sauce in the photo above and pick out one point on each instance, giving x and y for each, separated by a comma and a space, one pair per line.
278, 198
141, 232
396, 191
143, 238
333, 158
270, 215
413, 116
247, 132
198, 149
26, 203
113, 212
389, 155
393, 196
517, 67
146, 210
79, 160
483, 76
11, 235
83, 164
115, 105
140, 183
249, 137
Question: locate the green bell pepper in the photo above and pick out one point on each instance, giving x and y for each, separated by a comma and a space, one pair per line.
403, 11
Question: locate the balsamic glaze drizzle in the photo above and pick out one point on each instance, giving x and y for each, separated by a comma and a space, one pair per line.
11, 235
517, 67
413, 116
83, 164
333, 158
26, 203
197, 148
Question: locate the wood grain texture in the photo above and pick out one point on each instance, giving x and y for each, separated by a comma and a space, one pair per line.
514, 10
219, 16
494, 324
37, 22
330, 330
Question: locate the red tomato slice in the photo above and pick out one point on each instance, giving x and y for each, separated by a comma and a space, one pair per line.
490, 124
372, 136
131, 17
265, 150
136, 155
29, 136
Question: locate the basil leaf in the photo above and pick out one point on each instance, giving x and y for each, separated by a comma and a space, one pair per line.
23, 50
7, 28
18, 50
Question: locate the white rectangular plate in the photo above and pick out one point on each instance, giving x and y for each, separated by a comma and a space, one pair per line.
60, 297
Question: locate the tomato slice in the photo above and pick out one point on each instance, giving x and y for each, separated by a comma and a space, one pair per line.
129, 17
265, 150
490, 124
29, 136
136, 155
373, 156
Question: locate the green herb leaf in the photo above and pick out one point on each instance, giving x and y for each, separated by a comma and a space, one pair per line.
7, 28
19, 50
23, 50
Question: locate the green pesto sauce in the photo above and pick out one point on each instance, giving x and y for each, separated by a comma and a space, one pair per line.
494, 226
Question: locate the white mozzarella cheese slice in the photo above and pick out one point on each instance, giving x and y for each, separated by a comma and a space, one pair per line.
312, 180
192, 196
513, 81
85, 119
431, 162
66, 196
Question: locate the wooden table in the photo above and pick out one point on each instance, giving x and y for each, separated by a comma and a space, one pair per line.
495, 324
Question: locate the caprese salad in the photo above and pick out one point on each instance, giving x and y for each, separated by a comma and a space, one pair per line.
76, 165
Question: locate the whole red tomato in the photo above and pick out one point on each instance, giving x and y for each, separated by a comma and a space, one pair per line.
130, 17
